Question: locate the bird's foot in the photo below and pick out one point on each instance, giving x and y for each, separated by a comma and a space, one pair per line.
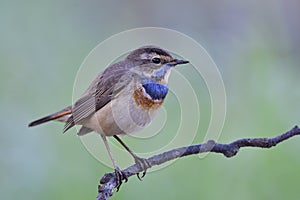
120, 176
144, 164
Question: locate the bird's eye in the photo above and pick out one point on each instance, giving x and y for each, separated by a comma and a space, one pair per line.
156, 60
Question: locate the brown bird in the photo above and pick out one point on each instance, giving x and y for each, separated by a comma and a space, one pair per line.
121, 100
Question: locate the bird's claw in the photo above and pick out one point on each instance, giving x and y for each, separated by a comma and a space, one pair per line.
144, 164
120, 176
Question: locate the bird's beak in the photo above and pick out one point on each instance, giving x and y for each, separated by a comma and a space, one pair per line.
178, 62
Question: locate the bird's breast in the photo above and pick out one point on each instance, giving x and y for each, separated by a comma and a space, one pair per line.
150, 96
156, 91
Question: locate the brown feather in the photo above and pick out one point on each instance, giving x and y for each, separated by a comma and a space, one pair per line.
54, 116
145, 102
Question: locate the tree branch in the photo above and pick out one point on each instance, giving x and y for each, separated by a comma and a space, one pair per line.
108, 181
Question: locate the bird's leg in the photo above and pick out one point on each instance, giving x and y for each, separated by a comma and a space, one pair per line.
142, 162
119, 174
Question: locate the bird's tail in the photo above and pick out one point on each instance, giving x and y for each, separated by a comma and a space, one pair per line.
61, 115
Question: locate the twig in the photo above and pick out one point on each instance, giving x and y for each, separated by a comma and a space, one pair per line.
108, 183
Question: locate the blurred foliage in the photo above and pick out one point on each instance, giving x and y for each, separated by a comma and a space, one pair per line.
255, 44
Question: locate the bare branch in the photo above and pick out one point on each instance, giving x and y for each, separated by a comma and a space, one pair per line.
108, 183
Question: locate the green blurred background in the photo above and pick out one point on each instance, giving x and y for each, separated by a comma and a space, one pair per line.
255, 44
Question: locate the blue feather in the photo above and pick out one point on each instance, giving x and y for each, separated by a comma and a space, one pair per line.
156, 91
162, 71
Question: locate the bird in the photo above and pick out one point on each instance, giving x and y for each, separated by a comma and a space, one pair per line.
121, 100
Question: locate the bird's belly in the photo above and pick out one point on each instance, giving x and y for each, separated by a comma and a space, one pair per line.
122, 115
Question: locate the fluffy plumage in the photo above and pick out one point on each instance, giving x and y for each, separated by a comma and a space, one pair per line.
119, 81
122, 99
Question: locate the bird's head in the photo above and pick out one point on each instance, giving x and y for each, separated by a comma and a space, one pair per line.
153, 63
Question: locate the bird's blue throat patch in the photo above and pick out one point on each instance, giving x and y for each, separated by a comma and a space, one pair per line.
156, 91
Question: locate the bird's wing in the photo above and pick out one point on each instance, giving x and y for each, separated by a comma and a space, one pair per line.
101, 91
